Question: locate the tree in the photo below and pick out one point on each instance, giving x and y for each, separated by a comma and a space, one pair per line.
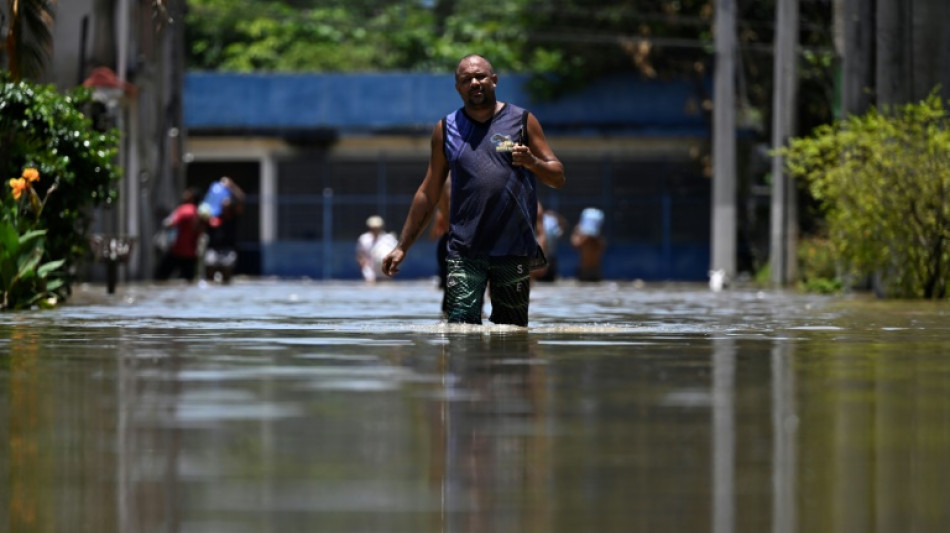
340, 36
566, 43
883, 182
29, 40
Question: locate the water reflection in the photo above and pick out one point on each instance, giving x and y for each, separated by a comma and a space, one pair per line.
724, 434
267, 406
785, 437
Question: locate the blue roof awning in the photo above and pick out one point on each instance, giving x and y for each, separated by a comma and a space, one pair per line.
374, 102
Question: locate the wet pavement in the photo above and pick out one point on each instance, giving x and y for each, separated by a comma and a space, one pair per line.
339, 407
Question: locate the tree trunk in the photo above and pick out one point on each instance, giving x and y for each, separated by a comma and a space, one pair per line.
930, 48
895, 61
856, 25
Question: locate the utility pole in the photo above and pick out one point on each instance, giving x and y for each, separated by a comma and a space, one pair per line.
724, 142
784, 212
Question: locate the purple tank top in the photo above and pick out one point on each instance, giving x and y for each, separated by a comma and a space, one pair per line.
494, 205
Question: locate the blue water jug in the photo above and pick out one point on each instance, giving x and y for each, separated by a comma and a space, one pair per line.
591, 221
214, 199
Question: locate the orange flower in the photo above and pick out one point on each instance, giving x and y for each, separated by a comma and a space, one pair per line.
31, 174
18, 185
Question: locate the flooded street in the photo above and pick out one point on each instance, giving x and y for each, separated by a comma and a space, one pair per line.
337, 407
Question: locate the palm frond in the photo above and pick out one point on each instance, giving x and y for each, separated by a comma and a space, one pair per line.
30, 39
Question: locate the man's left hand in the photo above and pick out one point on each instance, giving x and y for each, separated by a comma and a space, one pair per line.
521, 156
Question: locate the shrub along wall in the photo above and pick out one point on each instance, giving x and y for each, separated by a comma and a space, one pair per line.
883, 181
56, 168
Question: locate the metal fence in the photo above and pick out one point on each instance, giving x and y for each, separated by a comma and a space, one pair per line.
656, 215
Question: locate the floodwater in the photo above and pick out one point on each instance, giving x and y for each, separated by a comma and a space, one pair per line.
337, 407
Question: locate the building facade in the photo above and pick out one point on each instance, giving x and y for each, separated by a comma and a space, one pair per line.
318, 154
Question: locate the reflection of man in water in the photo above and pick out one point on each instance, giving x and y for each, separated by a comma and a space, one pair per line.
371, 247
495, 151
489, 455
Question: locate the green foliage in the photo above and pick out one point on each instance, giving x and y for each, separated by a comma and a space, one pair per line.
818, 266
42, 129
763, 275
335, 36
883, 181
24, 281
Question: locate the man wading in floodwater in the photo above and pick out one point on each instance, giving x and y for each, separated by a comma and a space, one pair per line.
494, 150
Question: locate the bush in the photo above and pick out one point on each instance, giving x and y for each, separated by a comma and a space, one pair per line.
24, 279
43, 130
818, 266
883, 182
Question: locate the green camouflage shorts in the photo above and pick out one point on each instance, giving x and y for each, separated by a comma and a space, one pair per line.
508, 283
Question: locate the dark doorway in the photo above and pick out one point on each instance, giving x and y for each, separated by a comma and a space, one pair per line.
247, 175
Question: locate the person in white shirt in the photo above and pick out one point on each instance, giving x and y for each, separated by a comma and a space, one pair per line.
371, 247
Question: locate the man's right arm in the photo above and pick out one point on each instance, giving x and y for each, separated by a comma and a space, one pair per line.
423, 205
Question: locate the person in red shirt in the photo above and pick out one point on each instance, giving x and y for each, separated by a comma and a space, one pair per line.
182, 255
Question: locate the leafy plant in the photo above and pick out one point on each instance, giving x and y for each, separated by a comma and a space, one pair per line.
353, 36
818, 266
46, 130
883, 181
25, 280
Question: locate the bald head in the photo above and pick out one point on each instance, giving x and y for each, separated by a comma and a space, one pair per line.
476, 60
475, 81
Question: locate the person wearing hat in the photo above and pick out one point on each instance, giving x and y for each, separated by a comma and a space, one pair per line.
372, 246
